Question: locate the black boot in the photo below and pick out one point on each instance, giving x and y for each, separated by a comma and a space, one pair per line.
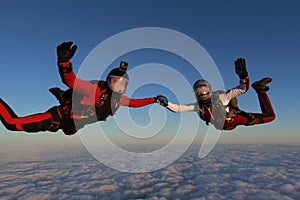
262, 84
57, 92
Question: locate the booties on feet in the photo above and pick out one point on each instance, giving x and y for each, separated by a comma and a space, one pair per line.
262, 84
57, 92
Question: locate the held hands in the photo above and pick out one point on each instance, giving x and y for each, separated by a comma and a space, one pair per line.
161, 100
65, 52
240, 68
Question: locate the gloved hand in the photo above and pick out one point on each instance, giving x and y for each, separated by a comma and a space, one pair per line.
65, 52
161, 100
240, 68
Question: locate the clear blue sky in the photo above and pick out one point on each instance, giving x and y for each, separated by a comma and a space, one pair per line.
266, 33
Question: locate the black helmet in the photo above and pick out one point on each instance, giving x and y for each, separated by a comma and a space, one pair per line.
205, 97
119, 75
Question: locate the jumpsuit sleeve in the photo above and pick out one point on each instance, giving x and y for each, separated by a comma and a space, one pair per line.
182, 108
69, 78
135, 103
238, 90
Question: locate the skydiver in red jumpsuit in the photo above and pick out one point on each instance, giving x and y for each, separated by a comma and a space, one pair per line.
92, 101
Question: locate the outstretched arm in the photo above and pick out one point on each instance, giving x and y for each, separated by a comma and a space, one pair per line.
182, 108
68, 77
135, 103
241, 71
238, 90
162, 100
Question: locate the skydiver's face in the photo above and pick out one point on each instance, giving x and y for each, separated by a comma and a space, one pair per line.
202, 90
117, 84
202, 94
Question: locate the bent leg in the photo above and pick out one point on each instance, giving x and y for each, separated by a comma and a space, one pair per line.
31, 123
268, 113
5, 107
244, 118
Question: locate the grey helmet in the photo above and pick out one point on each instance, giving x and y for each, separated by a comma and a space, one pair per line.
202, 98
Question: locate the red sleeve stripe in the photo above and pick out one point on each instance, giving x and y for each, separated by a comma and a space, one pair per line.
64, 64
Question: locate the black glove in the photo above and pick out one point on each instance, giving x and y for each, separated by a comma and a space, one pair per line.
65, 52
240, 68
161, 100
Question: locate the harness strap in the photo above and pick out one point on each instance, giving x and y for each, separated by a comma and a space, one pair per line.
56, 119
218, 113
249, 116
65, 110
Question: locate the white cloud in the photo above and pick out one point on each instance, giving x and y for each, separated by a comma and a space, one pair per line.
104, 189
186, 189
287, 188
229, 172
39, 196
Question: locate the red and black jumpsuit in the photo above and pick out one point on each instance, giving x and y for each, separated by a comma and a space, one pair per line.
96, 99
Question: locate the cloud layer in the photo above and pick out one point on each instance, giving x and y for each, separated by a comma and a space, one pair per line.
228, 172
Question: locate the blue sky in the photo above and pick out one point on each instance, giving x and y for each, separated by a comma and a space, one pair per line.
266, 33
